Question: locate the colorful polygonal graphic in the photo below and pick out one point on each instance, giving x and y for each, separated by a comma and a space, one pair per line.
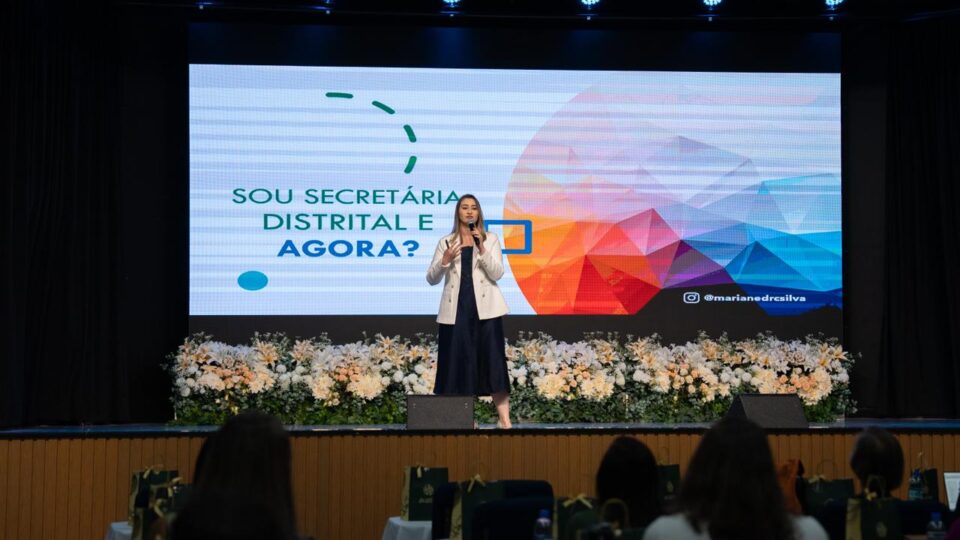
625, 209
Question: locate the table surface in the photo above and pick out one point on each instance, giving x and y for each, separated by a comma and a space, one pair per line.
399, 529
119, 530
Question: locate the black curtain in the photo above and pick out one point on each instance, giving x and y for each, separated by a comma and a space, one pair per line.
920, 343
60, 112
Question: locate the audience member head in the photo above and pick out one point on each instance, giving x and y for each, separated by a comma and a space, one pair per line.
877, 453
249, 458
215, 515
628, 472
731, 488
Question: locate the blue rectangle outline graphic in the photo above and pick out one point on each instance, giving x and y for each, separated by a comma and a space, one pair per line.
527, 234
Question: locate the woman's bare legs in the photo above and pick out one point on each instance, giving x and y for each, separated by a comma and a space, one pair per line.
502, 401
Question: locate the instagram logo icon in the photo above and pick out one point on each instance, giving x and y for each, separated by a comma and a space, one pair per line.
691, 297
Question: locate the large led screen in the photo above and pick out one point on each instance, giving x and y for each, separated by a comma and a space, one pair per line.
325, 190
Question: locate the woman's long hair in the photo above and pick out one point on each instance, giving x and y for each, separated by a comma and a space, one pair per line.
628, 472
731, 485
479, 222
250, 457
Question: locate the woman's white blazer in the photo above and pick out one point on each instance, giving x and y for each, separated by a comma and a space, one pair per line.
487, 269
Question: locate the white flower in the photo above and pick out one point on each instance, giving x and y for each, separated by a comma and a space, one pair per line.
281, 368
368, 386
184, 391
211, 381
397, 376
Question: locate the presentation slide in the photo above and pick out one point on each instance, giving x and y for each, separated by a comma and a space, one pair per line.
325, 190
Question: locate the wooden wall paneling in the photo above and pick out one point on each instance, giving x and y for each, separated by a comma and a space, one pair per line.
298, 457
85, 507
382, 452
816, 452
499, 448
552, 460
27, 492
364, 489
35, 529
98, 508
171, 453
336, 493
116, 464
586, 480
49, 489
9, 487
184, 458
312, 472
475, 463
57, 512
520, 454
347, 485
936, 456
673, 446
323, 485
196, 443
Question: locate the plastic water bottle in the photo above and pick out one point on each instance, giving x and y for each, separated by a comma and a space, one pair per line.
543, 529
915, 487
935, 529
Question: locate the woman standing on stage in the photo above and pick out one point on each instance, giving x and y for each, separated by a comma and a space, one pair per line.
471, 357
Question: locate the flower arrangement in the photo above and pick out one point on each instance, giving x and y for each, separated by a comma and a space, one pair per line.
606, 378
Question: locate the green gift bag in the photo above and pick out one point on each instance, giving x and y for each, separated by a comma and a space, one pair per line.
931, 486
145, 517
571, 514
468, 497
668, 482
928, 479
817, 492
140, 484
872, 518
419, 483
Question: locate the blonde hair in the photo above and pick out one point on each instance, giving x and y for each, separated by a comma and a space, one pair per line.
479, 223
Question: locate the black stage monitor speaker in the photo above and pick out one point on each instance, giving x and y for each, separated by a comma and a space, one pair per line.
439, 412
770, 411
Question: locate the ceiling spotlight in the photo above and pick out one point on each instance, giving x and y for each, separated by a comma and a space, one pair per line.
832, 4
712, 3
589, 3
451, 3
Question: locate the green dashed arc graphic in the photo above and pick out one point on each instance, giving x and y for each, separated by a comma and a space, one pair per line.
411, 136
254, 280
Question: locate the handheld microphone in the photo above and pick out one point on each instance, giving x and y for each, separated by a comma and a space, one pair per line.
472, 227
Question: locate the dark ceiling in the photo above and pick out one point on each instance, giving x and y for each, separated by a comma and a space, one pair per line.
624, 10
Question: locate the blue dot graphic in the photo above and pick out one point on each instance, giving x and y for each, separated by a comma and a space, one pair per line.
252, 280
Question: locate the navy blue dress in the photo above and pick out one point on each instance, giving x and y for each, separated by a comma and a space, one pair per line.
470, 358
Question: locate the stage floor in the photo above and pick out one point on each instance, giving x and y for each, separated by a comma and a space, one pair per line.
932, 425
